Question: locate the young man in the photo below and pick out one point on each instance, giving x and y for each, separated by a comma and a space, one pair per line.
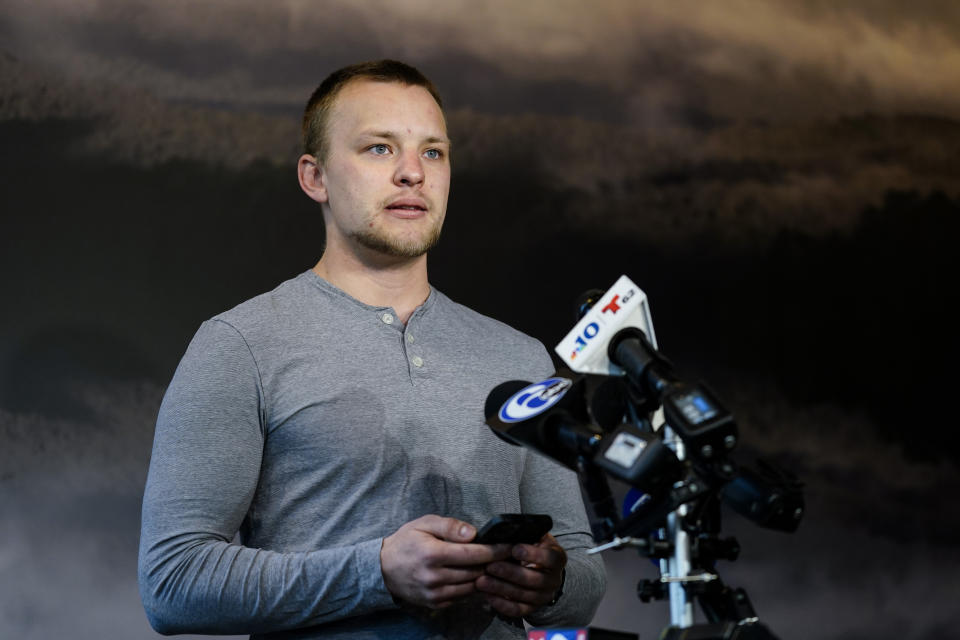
336, 423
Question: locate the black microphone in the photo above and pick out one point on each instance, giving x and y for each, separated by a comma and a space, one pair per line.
496, 399
548, 416
552, 417
645, 366
768, 495
692, 411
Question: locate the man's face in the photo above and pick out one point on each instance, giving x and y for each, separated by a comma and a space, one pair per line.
387, 168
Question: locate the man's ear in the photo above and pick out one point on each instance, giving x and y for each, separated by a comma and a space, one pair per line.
312, 179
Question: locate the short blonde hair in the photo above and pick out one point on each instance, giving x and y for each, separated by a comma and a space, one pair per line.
317, 112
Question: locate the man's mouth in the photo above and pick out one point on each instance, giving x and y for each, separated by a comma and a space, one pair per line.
407, 206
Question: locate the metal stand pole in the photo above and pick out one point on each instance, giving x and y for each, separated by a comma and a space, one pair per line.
677, 568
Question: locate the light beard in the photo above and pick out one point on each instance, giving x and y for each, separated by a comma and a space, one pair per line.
389, 246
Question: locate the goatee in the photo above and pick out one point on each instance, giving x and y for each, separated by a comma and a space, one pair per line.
395, 247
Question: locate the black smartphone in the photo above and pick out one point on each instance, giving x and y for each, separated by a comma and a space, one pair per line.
514, 528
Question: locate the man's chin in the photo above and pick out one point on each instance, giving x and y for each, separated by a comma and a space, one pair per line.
396, 247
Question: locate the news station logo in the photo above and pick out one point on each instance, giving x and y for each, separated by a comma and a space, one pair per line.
534, 399
591, 330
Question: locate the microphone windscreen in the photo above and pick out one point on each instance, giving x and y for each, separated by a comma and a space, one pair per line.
500, 394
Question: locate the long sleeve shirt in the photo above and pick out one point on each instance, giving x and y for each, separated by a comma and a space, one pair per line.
314, 425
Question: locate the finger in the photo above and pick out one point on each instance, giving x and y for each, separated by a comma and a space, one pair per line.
522, 577
511, 591
510, 608
449, 529
460, 555
545, 557
451, 575
449, 554
447, 594
496, 551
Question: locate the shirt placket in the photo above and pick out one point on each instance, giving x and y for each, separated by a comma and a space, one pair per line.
411, 350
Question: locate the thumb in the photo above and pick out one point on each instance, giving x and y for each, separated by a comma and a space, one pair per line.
449, 529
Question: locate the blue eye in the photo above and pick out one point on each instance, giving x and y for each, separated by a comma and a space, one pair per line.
433, 154
380, 149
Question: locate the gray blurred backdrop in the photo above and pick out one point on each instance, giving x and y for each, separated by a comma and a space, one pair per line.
782, 178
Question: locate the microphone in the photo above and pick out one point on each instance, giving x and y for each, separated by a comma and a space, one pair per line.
552, 417
544, 416
615, 338
602, 316
497, 398
584, 349
769, 495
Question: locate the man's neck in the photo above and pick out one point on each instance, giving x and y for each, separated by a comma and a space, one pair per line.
384, 282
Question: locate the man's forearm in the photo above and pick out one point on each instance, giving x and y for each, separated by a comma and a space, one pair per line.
198, 584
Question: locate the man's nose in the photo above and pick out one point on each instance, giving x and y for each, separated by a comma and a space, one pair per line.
409, 170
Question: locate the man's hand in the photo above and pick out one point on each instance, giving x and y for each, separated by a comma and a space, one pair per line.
425, 562
517, 589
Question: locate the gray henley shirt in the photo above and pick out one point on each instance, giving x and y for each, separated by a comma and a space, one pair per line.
315, 425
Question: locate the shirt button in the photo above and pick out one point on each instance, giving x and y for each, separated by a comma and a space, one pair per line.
387, 318
417, 361
410, 338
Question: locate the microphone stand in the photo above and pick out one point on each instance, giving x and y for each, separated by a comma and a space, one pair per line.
688, 549
696, 419
683, 470
676, 569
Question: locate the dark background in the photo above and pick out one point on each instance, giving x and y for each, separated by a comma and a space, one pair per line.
781, 178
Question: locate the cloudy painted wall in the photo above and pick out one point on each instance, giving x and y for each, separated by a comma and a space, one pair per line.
782, 178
